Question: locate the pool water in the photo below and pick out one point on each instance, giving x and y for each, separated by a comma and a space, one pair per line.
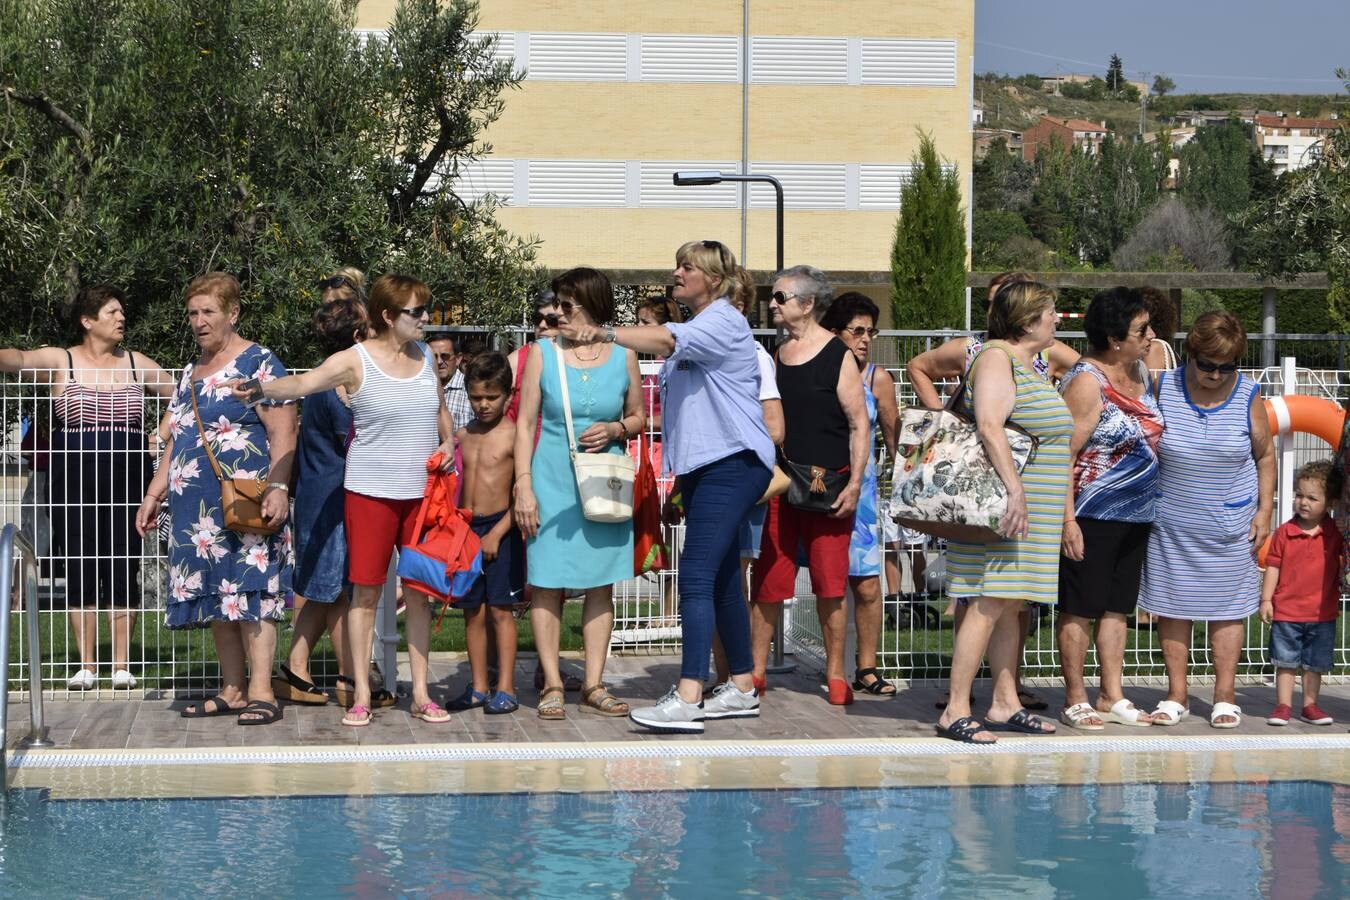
1135, 840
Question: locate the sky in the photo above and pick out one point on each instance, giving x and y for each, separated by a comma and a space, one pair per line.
1205, 46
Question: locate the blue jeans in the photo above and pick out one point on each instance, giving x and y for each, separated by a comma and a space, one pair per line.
717, 499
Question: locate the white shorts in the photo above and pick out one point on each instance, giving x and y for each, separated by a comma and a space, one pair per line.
893, 533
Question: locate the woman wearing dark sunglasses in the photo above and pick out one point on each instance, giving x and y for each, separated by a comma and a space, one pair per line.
1216, 484
853, 318
400, 422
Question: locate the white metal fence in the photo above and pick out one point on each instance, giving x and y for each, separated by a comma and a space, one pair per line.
913, 646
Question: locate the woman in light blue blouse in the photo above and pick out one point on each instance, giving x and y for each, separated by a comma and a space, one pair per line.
716, 443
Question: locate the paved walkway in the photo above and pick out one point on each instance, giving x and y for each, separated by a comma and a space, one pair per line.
794, 709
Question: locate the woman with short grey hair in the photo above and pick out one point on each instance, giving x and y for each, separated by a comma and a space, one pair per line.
825, 446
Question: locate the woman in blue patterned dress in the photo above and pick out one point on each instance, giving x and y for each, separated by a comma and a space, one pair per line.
1216, 485
236, 584
853, 318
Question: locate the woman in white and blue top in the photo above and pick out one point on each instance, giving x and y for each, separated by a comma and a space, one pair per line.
716, 443
400, 421
1216, 486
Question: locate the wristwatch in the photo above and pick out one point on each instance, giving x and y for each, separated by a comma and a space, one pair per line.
609, 334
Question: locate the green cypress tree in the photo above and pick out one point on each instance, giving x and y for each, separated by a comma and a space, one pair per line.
928, 257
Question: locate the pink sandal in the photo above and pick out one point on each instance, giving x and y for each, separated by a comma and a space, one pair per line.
431, 713
357, 717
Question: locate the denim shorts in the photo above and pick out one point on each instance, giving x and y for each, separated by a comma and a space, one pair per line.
1302, 645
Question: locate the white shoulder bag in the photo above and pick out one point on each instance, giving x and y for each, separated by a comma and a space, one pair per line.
604, 480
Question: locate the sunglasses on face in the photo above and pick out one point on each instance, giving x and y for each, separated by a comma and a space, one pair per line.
780, 297
859, 331
416, 312
1205, 365
445, 357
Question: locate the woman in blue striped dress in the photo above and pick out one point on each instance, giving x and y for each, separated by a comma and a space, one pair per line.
999, 577
1216, 483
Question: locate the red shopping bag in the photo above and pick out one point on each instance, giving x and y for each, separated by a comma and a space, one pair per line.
649, 550
445, 557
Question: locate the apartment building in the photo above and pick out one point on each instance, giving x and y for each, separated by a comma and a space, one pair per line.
829, 97
1290, 143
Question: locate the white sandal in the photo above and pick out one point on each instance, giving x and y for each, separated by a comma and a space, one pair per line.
1225, 709
1080, 716
1169, 712
83, 680
1123, 712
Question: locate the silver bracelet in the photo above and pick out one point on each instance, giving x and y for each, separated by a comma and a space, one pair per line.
280, 485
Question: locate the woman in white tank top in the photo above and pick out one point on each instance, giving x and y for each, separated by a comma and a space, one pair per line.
400, 421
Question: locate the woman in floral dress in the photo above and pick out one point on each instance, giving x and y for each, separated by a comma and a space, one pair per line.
234, 583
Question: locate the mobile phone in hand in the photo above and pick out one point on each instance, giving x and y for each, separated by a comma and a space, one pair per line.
255, 392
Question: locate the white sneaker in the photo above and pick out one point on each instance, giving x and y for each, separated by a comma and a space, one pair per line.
83, 680
730, 702
671, 715
123, 679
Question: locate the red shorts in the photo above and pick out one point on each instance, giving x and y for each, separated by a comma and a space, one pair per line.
375, 526
825, 540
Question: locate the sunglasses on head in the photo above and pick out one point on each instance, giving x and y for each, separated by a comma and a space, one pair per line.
416, 312
860, 330
1205, 365
721, 252
333, 282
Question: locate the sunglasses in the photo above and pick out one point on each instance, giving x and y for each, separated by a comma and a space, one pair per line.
416, 312
721, 252
1205, 365
336, 281
859, 331
780, 297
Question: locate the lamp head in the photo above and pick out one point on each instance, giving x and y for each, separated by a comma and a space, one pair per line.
697, 177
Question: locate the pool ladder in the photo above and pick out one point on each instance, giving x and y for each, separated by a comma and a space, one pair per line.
10, 540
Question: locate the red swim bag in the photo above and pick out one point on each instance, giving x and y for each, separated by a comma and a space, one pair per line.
445, 557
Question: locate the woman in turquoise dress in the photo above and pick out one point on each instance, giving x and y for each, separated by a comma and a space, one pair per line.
853, 317
565, 549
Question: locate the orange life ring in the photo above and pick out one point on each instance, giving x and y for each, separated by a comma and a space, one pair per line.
1309, 415
1317, 416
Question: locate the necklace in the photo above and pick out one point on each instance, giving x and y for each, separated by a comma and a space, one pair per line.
576, 347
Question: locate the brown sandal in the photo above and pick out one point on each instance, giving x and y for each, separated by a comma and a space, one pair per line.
597, 700
551, 704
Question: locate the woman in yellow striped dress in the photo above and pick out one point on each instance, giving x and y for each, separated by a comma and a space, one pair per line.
998, 578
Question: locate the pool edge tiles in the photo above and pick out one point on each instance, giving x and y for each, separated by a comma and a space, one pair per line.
535, 768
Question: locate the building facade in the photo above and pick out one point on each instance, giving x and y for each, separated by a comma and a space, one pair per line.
1289, 143
1068, 133
619, 95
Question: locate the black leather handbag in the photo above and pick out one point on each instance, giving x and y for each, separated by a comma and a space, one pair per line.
813, 488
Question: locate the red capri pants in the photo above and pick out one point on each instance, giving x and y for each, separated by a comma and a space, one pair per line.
825, 540
375, 526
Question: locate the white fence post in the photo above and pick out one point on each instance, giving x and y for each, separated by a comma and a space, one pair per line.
1288, 385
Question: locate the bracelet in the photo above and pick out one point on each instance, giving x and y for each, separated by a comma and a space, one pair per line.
280, 485
158, 498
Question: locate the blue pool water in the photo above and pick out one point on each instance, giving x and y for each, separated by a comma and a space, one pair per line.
1139, 840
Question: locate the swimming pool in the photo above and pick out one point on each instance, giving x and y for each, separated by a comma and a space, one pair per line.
1110, 840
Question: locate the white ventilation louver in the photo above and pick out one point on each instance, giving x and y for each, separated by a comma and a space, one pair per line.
908, 61
578, 182
798, 60
690, 57
578, 56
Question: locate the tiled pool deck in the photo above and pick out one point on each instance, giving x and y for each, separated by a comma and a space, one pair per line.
794, 710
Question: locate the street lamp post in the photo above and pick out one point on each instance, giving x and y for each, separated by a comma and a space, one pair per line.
712, 176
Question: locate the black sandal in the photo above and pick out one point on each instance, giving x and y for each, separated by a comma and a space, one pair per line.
222, 708
346, 694
266, 713
289, 686
963, 730
878, 686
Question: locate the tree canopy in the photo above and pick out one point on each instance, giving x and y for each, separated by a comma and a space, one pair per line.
928, 258
145, 142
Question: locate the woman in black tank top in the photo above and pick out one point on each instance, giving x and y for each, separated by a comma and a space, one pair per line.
825, 421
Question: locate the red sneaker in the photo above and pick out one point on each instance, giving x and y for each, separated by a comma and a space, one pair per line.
1280, 715
1315, 715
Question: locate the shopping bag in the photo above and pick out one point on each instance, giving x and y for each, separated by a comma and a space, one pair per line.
445, 556
649, 550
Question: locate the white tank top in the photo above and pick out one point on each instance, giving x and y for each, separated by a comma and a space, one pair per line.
396, 430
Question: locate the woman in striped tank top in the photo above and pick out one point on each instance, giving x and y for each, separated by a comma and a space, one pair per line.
999, 577
400, 420
1216, 488
99, 469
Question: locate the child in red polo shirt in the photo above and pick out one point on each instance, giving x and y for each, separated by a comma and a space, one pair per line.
1301, 593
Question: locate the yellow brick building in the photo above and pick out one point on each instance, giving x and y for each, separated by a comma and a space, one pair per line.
827, 95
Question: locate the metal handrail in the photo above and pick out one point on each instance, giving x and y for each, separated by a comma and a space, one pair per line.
10, 538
